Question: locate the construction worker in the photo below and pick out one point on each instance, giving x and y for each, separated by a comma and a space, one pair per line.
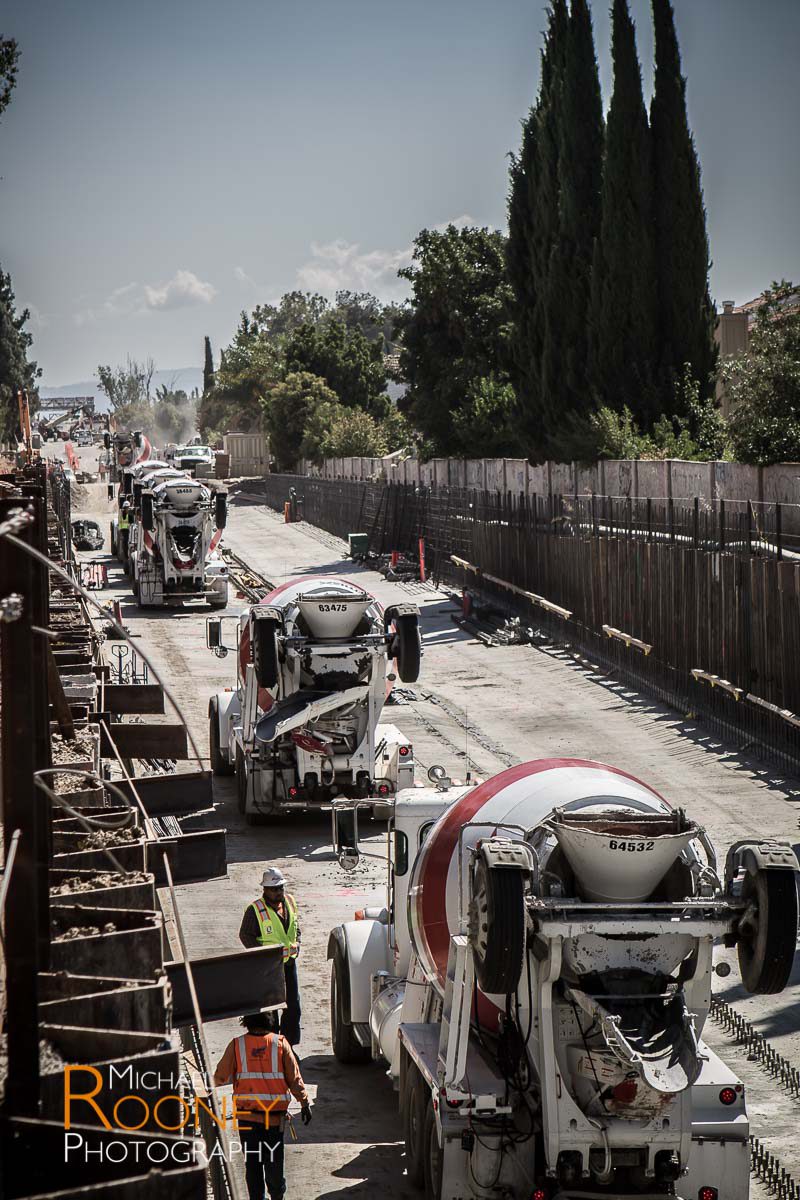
123, 529
265, 1076
272, 921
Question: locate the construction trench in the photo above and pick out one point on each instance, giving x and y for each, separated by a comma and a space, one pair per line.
95, 935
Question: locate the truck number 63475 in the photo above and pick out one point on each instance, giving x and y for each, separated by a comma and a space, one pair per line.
615, 844
333, 608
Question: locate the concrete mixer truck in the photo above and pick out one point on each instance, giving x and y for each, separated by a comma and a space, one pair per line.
302, 725
539, 978
173, 555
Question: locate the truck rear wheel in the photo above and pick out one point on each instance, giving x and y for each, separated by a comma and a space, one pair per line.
219, 765
497, 927
433, 1157
408, 648
417, 1102
346, 1046
766, 945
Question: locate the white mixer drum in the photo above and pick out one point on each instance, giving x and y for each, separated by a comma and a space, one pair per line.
514, 802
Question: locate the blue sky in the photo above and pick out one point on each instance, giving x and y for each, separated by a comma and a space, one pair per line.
166, 163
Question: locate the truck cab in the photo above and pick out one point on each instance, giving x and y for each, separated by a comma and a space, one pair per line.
377, 942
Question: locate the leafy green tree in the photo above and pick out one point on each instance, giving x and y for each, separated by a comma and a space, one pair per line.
355, 433
452, 332
697, 430
336, 431
533, 230
397, 431
487, 421
17, 371
349, 364
249, 368
763, 384
276, 321
288, 409
208, 368
686, 317
9, 59
565, 375
624, 304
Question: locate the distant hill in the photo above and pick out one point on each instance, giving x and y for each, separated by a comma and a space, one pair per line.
186, 378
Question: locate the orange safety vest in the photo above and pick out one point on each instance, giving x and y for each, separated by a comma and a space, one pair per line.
259, 1084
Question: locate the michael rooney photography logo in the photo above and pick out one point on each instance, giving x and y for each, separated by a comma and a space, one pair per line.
172, 1120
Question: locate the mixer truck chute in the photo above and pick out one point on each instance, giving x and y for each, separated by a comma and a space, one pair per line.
539, 981
303, 723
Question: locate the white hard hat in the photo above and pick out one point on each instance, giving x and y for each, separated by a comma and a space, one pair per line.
273, 878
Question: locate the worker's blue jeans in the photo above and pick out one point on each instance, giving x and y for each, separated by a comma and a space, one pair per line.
263, 1163
290, 1018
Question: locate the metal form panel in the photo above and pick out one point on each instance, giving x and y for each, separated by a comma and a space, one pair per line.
134, 697
172, 794
145, 741
229, 985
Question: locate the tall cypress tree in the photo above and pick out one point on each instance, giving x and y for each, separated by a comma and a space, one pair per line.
565, 381
519, 267
686, 314
623, 353
208, 368
533, 228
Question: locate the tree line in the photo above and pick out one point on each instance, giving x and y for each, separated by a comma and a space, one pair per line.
18, 372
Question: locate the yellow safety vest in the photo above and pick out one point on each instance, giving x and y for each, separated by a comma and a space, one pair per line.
124, 520
271, 930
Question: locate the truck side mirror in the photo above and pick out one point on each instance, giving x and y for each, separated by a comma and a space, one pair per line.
214, 635
345, 836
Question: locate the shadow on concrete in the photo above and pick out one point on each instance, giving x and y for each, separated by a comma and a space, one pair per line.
699, 739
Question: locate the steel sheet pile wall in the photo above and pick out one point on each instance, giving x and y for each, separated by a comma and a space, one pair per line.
710, 587
86, 983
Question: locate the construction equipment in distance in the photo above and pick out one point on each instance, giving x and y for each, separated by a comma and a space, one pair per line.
313, 669
538, 982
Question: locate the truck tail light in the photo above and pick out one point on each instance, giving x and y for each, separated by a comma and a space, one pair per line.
707, 1193
405, 751
383, 789
728, 1095
359, 914
293, 792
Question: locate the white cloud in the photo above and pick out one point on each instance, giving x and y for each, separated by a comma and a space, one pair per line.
182, 291
134, 299
340, 265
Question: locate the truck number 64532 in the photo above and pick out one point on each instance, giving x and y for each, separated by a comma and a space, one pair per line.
614, 844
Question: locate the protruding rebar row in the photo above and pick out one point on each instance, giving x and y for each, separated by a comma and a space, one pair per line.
758, 1048
766, 1167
